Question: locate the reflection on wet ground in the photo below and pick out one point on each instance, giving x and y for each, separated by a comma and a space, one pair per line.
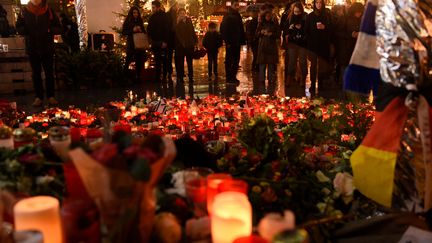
201, 87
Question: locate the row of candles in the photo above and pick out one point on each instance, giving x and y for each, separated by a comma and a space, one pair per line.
227, 204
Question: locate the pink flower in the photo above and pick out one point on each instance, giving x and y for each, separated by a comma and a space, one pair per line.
343, 184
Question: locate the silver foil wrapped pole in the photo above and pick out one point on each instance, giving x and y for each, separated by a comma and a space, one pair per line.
398, 24
403, 44
81, 12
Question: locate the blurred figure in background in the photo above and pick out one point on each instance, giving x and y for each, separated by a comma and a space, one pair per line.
212, 42
70, 33
185, 42
317, 30
234, 36
4, 23
340, 41
172, 21
294, 37
158, 31
134, 24
38, 23
268, 33
252, 41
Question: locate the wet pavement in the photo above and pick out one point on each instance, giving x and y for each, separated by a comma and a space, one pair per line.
202, 87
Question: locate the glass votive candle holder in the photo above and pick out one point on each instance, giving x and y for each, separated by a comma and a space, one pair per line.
195, 183
60, 139
23, 136
213, 181
233, 185
6, 139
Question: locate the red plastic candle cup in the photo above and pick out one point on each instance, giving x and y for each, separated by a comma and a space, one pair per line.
213, 182
123, 128
196, 188
233, 186
250, 239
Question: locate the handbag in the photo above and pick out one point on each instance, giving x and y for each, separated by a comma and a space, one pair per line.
141, 41
199, 53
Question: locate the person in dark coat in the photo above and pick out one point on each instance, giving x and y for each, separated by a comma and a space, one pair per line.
294, 36
353, 22
172, 21
268, 32
4, 23
234, 36
318, 29
212, 42
185, 42
38, 23
158, 31
340, 40
134, 24
70, 33
252, 41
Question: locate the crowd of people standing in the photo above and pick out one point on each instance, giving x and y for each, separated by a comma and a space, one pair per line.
324, 37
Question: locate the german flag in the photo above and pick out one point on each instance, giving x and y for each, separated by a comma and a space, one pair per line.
374, 161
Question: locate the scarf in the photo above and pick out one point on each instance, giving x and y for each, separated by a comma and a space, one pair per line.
363, 72
37, 10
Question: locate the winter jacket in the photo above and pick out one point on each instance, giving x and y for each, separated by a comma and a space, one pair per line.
232, 29
212, 41
39, 30
158, 29
128, 31
185, 37
267, 45
318, 40
296, 35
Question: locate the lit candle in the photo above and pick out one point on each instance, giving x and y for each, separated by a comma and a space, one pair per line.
6, 139
39, 213
213, 182
60, 139
231, 217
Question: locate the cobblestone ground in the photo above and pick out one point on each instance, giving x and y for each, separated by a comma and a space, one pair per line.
201, 88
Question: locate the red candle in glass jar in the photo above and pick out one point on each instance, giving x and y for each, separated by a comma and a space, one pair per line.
123, 127
213, 182
234, 185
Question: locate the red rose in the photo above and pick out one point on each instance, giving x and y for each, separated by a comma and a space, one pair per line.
131, 151
29, 158
147, 154
106, 153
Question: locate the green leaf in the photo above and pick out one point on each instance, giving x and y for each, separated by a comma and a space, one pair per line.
140, 170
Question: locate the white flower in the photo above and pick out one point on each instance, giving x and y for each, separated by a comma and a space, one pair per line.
43, 180
321, 177
178, 182
343, 184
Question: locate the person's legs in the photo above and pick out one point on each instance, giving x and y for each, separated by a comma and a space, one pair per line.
179, 63
261, 78
271, 75
36, 65
139, 64
228, 63
215, 64
236, 62
158, 63
209, 64
292, 65
323, 71
302, 53
313, 69
189, 61
169, 59
48, 66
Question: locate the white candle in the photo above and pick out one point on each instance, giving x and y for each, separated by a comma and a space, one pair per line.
40, 213
231, 217
7, 143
